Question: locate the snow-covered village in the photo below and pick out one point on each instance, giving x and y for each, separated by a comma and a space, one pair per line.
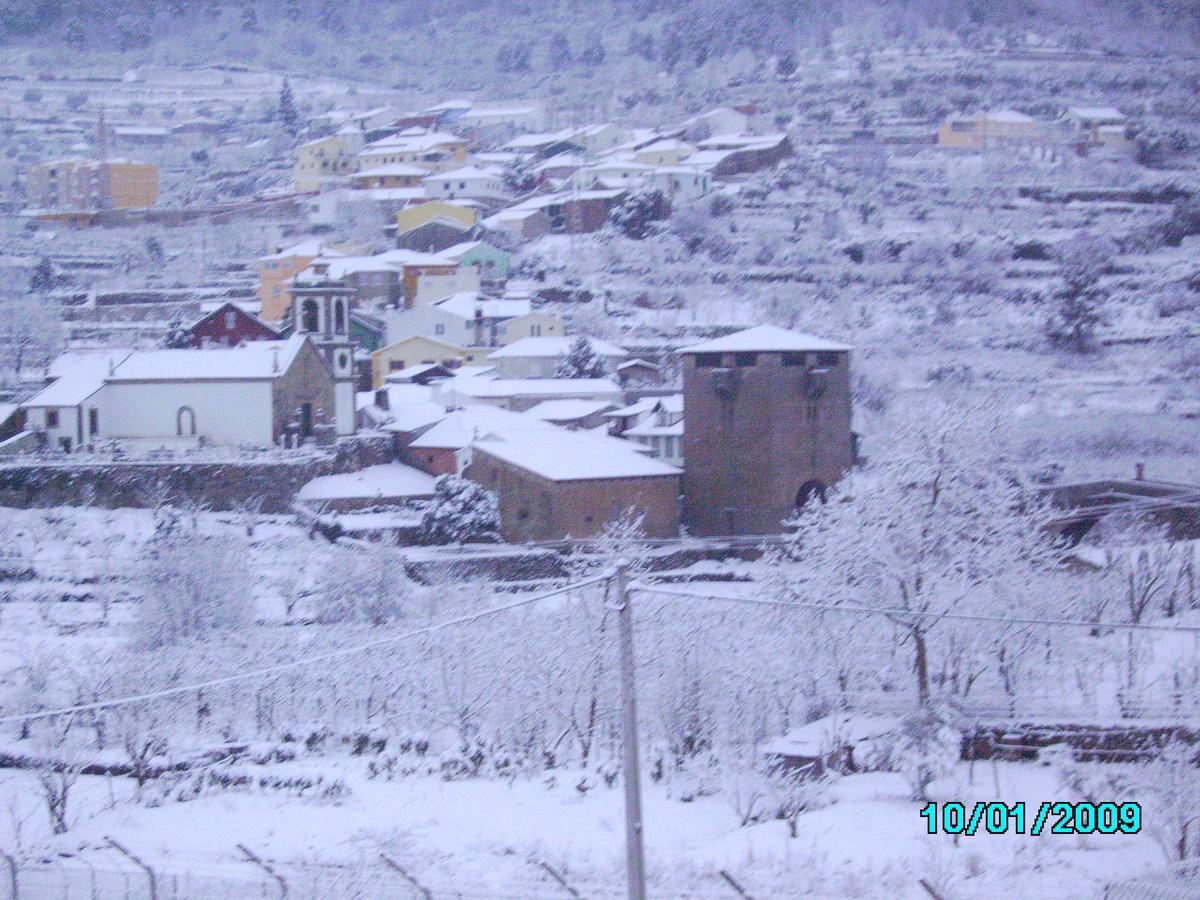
528, 449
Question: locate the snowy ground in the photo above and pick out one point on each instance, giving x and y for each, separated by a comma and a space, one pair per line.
475, 837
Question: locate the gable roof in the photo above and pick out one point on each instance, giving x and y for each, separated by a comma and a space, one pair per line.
420, 337
767, 339
76, 377
228, 306
575, 456
465, 303
255, 361
553, 346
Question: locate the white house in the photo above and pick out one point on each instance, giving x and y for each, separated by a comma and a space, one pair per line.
470, 182
539, 357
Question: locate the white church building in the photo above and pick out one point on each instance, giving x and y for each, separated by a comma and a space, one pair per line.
261, 394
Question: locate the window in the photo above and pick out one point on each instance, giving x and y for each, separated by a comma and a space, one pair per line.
535, 330
339, 318
309, 315
230, 321
708, 360
744, 360
812, 412
793, 359
395, 365
93, 421
439, 328
52, 418
827, 359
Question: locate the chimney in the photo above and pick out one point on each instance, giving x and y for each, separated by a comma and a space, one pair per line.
479, 326
1140, 470
274, 359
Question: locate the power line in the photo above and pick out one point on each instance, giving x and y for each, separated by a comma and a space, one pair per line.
308, 661
917, 614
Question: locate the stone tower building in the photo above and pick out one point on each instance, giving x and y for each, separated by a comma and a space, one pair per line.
766, 428
321, 309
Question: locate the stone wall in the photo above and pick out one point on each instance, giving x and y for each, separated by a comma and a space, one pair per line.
220, 485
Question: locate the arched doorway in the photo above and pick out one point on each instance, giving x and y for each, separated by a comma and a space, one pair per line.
808, 490
185, 422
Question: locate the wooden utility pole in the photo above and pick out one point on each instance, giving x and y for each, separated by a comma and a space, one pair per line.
635, 858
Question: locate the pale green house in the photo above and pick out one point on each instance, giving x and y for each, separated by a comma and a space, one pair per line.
492, 262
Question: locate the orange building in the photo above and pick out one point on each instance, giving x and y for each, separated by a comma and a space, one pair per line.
85, 184
275, 273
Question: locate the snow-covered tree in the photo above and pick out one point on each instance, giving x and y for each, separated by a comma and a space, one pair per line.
289, 115
934, 526
1081, 263
581, 361
461, 511
636, 215
194, 584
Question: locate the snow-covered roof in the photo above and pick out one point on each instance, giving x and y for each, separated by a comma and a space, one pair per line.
1096, 112
766, 339
565, 159
408, 373
553, 346
392, 480
541, 139
485, 388
651, 428
412, 416
816, 739
459, 250
403, 257
666, 144
1007, 115
567, 410
466, 302
340, 266
312, 247
77, 375
449, 105
575, 456
256, 360
465, 173
414, 140
460, 428
392, 170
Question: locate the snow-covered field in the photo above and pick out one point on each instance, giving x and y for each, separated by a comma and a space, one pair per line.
477, 837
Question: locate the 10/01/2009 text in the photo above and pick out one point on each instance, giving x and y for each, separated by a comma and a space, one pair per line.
1057, 817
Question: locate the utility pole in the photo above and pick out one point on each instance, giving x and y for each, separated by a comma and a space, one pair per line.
635, 857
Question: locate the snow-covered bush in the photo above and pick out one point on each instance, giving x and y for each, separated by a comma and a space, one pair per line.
462, 512
361, 586
926, 749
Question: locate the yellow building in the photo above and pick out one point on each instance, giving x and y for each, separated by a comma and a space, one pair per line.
417, 351
987, 129
85, 184
320, 160
275, 273
423, 213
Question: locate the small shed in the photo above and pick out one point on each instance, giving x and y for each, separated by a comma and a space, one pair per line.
833, 742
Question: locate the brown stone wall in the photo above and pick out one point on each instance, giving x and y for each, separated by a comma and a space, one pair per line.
535, 509
748, 454
307, 381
